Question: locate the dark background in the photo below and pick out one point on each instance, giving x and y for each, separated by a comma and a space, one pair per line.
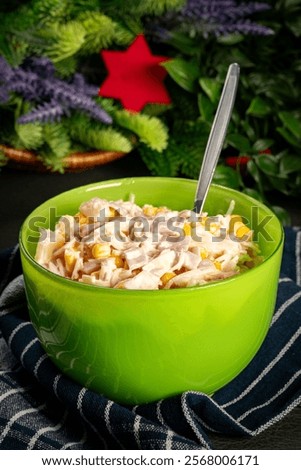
21, 191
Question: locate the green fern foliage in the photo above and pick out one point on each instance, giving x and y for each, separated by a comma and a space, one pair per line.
30, 135
148, 7
79, 6
100, 32
64, 40
57, 145
14, 47
150, 130
57, 138
167, 164
192, 137
66, 67
184, 153
98, 137
47, 11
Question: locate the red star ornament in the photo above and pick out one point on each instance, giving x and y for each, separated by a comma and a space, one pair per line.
135, 76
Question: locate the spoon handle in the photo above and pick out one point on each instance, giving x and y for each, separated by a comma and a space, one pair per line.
217, 136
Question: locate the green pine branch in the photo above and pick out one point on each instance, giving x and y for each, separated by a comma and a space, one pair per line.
150, 130
30, 135
48, 11
14, 25
101, 31
184, 153
66, 67
162, 164
157, 7
142, 7
64, 40
57, 138
96, 136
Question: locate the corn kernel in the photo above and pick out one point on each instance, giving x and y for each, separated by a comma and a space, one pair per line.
119, 261
150, 211
81, 218
235, 221
187, 229
101, 250
162, 209
70, 259
236, 218
204, 253
214, 227
218, 265
241, 230
112, 212
166, 277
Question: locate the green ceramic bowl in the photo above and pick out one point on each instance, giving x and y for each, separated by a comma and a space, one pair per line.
140, 346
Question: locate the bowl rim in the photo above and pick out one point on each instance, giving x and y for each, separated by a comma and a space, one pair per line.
177, 291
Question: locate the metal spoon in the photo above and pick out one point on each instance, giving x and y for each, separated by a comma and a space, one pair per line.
217, 136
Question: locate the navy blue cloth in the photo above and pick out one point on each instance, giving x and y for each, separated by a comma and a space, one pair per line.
42, 409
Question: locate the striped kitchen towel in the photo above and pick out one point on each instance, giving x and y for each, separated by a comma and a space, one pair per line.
40, 408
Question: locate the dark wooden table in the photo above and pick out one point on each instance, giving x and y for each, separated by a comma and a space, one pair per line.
22, 191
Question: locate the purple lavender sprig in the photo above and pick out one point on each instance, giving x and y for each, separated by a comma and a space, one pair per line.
212, 17
41, 66
80, 83
46, 112
53, 98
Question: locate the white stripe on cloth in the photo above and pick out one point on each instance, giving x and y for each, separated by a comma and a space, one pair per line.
79, 405
16, 330
44, 430
266, 370
169, 440
278, 417
8, 372
159, 413
18, 415
285, 279
80, 397
39, 362
298, 258
108, 421
136, 427
243, 428
170, 434
107, 416
268, 402
76, 443
13, 392
55, 383
27, 348
284, 306
202, 422
191, 421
